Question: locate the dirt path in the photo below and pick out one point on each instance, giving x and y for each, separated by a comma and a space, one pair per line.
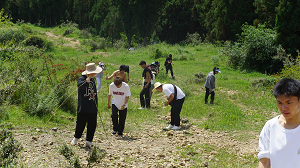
73, 43
150, 147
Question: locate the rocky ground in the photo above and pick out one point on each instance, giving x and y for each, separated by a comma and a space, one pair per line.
150, 147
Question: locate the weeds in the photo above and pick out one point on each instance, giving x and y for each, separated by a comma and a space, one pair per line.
70, 156
9, 147
96, 155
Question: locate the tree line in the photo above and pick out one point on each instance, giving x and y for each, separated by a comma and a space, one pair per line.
165, 20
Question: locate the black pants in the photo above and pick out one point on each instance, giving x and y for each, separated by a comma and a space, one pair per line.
212, 97
86, 118
175, 112
118, 120
146, 92
169, 67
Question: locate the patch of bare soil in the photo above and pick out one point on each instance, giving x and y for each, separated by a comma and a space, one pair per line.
73, 43
150, 146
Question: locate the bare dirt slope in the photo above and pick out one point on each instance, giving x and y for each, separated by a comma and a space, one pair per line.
150, 147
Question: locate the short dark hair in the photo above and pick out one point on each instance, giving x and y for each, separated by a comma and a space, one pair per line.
215, 69
142, 63
170, 55
287, 87
122, 67
117, 81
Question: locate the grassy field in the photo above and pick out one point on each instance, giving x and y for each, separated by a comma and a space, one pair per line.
239, 106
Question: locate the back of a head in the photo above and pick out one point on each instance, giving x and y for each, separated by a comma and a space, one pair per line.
122, 67
117, 81
142, 63
287, 87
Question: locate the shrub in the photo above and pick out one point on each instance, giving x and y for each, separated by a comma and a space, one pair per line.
200, 77
119, 44
9, 147
70, 156
69, 24
85, 34
256, 50
7, 35
35, 41
95, 155
193, 39
158, 54
67, 32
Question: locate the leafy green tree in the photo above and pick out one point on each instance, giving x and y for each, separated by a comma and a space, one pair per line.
126, 9
175, 20
81, 9
97, 14
146, 15
266, 12
4, 19
256, 50
225, 18
111, 27
288, 25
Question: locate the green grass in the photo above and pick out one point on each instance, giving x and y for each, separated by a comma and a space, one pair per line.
238, 106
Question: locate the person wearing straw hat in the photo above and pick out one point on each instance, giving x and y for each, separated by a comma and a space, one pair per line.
87, 104
210, 85
99, 76
120, 92
175, 100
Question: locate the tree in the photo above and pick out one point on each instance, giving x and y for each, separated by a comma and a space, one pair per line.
81, 9
266, 12
126, 12
4, 19
111, 27
97, 14
288, 26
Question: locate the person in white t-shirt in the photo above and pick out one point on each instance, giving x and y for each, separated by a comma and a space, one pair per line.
120, 92
279, 140
175, 99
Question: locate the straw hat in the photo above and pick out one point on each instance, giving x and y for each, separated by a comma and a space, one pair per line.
91, 68
156, 85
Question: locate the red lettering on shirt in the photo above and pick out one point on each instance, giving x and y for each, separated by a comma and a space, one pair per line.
118, 93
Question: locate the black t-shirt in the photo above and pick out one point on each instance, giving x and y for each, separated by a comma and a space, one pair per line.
87, 96
127, 69
170, 60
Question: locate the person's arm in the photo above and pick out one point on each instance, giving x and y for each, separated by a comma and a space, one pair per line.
170, 98
112, 75
125, 102
264, 163
108, 101
128, 75
148, 79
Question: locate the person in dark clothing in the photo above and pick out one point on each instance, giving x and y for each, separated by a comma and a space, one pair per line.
210, 85
126, 70
87, 104
119, 92
168, 65
146, 85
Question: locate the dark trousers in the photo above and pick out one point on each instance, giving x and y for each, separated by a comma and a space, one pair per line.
175, 112
118, 120
86, 118
169, 67
212, 97
146, 92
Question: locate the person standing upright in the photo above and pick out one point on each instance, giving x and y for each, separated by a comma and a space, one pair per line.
99, 76
87, 104
168, 65
120, 92
146, 86
210, 85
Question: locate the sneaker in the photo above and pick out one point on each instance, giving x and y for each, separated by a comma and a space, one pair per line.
120, 136
170, 126
114, 133
141, 108
176, 128
74, 141
89, 143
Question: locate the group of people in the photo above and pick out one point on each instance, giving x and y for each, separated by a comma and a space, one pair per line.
279, 140
119, 92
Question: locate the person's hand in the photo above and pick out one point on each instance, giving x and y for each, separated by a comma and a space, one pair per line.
88, 80
145, 86
108, 106
106, 78
210, 90
166, 104
122, 107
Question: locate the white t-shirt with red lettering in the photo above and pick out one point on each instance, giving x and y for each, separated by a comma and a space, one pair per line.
119, 94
